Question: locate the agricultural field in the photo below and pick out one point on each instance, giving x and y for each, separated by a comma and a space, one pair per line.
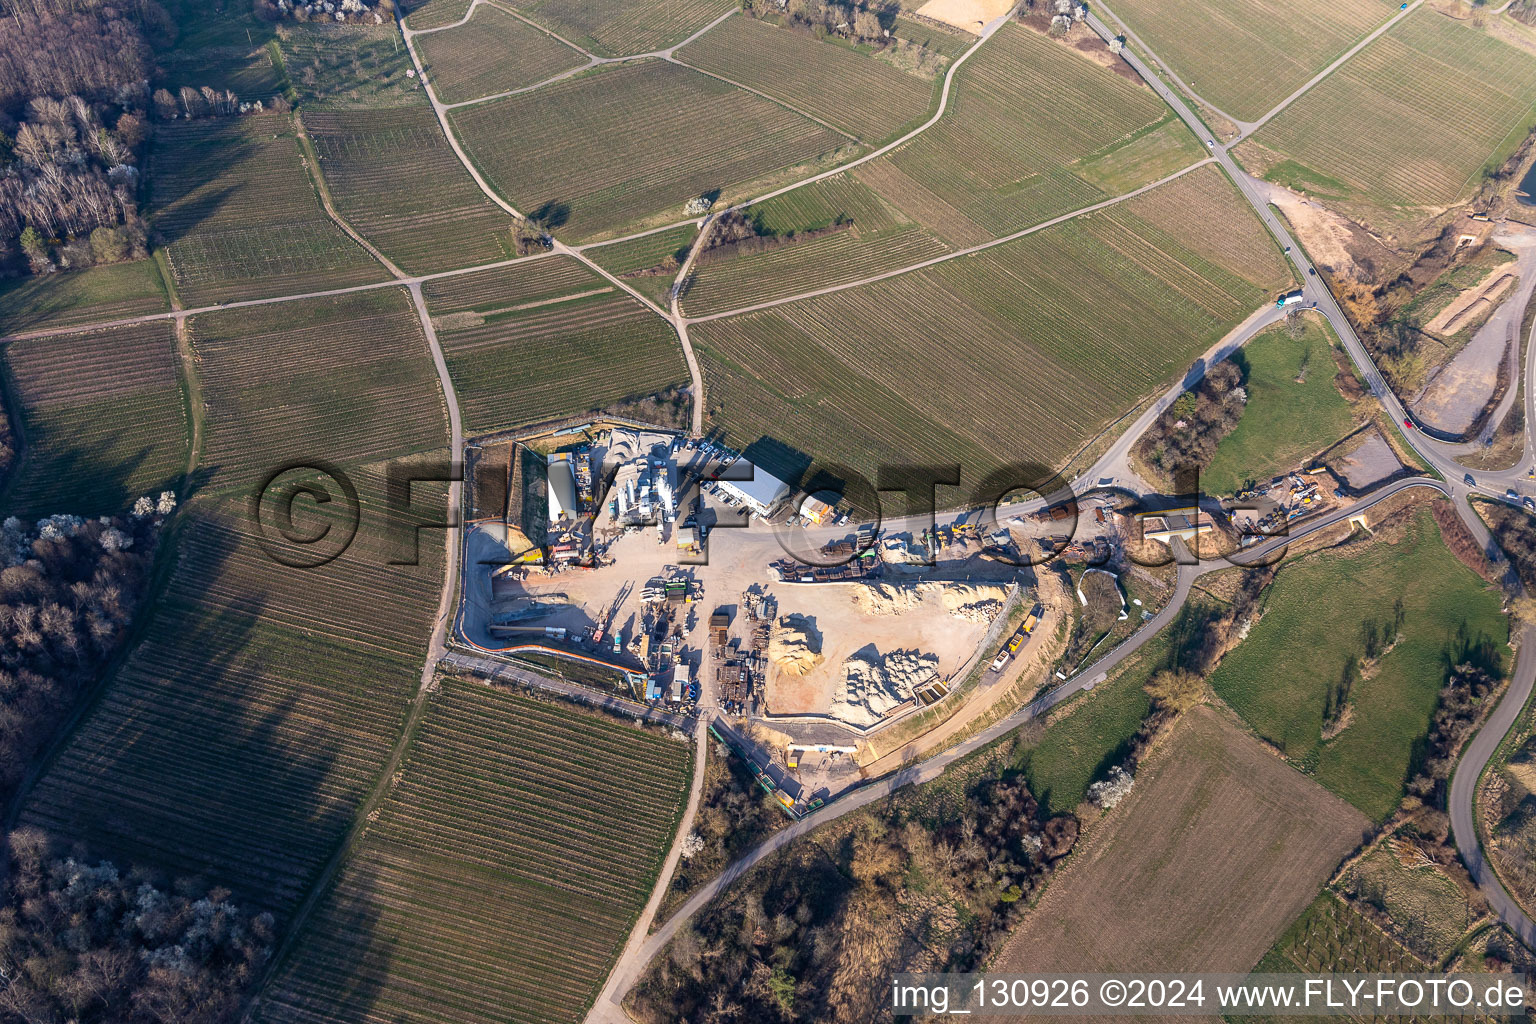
433, 13
81, 296
1294, 409
261, 702
846, 232
254, 713
570, 154
502, 874
1316, 613
1410, 121
394, 179
1092, 733
347, 67
240, 216
1245, 56
1216, 849
620, 28
648, 264
1001, 158
545, 339
849, 89
356, 385
222, 45
104, 418
492, 53
850, 376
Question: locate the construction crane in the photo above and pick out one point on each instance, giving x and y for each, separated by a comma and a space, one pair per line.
605, 617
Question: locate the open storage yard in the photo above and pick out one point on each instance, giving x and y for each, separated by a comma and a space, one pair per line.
1245, 56
844, 86
548, 338
502, 874
394, 179
104, 418
1315, 615
240, 216
491, 53
1216, 849
625, 141
1409, 121
1001, 158
851, 375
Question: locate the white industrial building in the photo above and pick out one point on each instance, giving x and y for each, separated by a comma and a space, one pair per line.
562, 489
761, 494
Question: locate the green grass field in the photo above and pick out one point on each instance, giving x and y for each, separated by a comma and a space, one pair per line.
347, 67
104, 420
606, 148
1294, 410
1411, 120
260, 704
1082, 746
240, 216
1314, 613
1245, 56
915, 367
619, 28
502, 875
394, 179
547, 339
81, 297
847, 88
878, 239
1002, 157
491, 53
222, 45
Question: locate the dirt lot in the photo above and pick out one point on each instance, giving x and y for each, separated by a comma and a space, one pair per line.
1368, 463
970, 15
1217, 849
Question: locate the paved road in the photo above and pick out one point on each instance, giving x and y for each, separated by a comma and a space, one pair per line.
632, 964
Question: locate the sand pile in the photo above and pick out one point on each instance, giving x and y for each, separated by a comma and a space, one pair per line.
874, 684
971, 602
794, 645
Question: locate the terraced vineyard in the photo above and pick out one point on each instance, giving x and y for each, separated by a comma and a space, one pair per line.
997, 161
919, 365
617, 28
660, 254
572, 152
103, 416
356, 383
547, 338
491, 53
261, 702
81, 297
393, 178
433, 13
1245, 56
503, 872
257, 709
840, 85
1411, 120
240, 216
876, 238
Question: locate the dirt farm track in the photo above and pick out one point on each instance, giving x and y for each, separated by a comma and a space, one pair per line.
1219, 846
